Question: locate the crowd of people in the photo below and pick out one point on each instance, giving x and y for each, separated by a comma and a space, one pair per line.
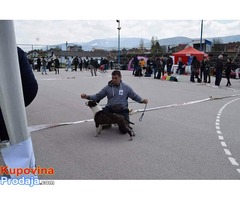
71, 64
203, 68
43, 64
158, 67
200, 70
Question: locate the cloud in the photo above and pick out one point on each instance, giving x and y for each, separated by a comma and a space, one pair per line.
59, 31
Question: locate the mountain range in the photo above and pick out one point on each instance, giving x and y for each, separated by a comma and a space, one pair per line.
112, 43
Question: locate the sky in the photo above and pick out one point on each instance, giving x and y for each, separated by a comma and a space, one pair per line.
51, 23
59, 31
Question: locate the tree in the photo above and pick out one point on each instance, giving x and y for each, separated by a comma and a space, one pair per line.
158, 47
153, 42
217, 41
217, 44
141, 45
155, 46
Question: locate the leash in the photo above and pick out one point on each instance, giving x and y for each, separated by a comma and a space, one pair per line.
47, 126
140, 119
182, 104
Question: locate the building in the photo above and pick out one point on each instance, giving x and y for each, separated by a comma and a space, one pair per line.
74, 48
206, 45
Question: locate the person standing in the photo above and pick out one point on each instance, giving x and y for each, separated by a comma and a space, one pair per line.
75, 63
111, 64
135, 64
154, 66
142, 66
195, 65
228, 69
158, 68
180, 68
219, 69
57, 65
38, 64
202, 69
44, 65
80, 63
169, 65
163, 63
207, 70
93, 65
68, 64
86, 63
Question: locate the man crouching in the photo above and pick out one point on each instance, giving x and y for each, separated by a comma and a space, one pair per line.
117, 94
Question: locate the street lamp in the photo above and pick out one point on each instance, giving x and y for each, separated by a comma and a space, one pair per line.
201, 47
119, 28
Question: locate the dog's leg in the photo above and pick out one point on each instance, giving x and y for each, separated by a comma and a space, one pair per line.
131, 129
131, 136
133, 133
98, 130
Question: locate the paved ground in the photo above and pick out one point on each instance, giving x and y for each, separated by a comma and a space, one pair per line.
184, 142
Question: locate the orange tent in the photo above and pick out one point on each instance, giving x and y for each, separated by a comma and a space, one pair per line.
187, 52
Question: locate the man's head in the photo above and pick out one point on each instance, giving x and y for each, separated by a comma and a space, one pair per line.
116, 77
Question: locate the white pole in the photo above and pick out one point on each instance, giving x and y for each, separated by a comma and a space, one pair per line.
20, 152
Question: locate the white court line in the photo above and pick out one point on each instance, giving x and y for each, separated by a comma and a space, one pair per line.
221, 138
233, 161
227, 152
46, 126
224, 144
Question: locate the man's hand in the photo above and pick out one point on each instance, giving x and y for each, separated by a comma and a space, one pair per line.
144, 101
84, 96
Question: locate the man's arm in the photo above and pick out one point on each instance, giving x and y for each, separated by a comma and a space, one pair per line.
96, 97
134, 96
29, 83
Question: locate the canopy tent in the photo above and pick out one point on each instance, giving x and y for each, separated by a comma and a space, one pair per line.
189, 52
